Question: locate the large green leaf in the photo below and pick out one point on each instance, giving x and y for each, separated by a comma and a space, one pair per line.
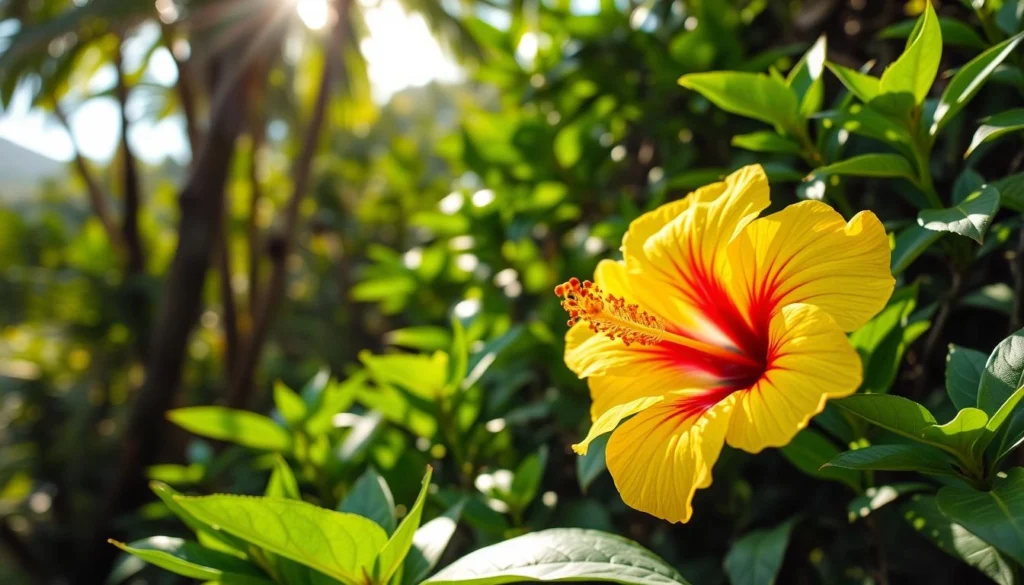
882, 341
560, 554
236, 426
370, 497
961, 434
805, 78
1011, 191
343, 546
753, 95
893, 413
424, 376
923, 514
756, 558
429, 544
910, 243
996, 516
865, 87
397, 547
810, 451
209, 536
997, 126
920, 458
963, 375
914, 71
871, 165
1004, 373
191, 560
971, 217
968, 81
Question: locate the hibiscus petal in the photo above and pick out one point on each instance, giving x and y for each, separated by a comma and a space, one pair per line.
661, 456
611, 418
810, 362
807, 253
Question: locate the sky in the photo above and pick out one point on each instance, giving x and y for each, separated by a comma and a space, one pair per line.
399, 50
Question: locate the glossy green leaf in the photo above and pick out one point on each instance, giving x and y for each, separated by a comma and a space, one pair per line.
560, 554
910, 243
969, 80
209, 536
810, 451
923, 514
1011, 191
191, 560
289, 404
370, 497
960, 434
753, 95
335, 398
1004, 373
527, 479
995, 127
871, 165
429, 544
343, 546
996, 516
805, 78
920, 458
394, 552
893, 413
865, 87
971, 217
963, 375
914, 71
875, 498
881, 341
857, 119
954, 33
590, 466
756, 558
766, 141
236, 426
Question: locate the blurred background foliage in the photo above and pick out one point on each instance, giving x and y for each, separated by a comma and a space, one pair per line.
325, 242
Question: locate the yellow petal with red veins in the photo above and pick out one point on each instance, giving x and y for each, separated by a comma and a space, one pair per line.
810, 361
659, 458
807, 253
611, 418
645, 226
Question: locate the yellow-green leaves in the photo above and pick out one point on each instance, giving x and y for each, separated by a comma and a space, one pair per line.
753, 95
236, 426
191, 560
915, 70
397, 547
968, 81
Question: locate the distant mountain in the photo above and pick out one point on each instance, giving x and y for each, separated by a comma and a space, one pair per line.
22, 170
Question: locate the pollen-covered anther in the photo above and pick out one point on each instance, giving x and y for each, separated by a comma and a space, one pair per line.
608, 314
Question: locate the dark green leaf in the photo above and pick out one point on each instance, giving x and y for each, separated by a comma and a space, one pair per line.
809, 451
871, 165
874, 498
560, 554
954, 33
1011, 192
996, 516
995, 127
429, 544
920, 458
756, 558
969, 218
893, 413
911, 242
590, 466
963, 375
1004, 373
370, 497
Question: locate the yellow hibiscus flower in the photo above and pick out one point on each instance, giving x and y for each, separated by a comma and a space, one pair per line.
719, 327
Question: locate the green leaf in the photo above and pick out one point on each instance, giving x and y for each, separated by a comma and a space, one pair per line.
996, 516
289, 404
805, 78
756, 558
920, 458
424, 338
766, 141
893, 413
954, 33
459, 366
560, 554
960, 434
370, 497
282, 482
527, 478
1004, 373
968, 81
590, 466
428, 545
209, 536
995, 127
872, 165
914, 71
923, 514
880, 342
235, 426
874, 498
963, 375
1009, 434
910, 243
191, 560
567, 144
425, 376
865, 121
809, 451
1011, 192
971, 217
336, 397
394, 552
967, 182
865, 87
343, 546
753, 95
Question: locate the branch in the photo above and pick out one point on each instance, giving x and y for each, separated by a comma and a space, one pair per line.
185, 87
97, 198
132, 188
270, 300
252, 227
227, 293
